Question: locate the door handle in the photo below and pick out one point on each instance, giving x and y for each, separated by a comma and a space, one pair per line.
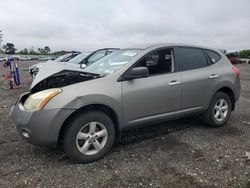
212, 76
174, 82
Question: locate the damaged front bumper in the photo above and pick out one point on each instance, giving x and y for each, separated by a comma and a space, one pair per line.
40, 127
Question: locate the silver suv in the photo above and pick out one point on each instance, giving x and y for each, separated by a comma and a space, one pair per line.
86, 111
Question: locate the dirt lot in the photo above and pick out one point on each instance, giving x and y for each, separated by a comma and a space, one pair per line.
181, 153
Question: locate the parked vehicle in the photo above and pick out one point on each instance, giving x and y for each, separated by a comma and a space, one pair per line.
233, 58
244, 60
87, 58
17, 57
76, 61
34, 58
87, 110
81, 60
66, 57
46, 58
33, 69
23, 58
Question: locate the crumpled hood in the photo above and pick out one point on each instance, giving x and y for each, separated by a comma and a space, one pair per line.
53, 75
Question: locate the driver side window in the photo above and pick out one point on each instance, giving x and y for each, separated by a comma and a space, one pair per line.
158, 62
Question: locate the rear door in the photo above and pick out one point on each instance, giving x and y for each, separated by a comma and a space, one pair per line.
196, 77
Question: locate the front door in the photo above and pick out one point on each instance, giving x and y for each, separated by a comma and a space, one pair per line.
155, 97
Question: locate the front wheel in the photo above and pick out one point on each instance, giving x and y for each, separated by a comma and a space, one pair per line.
219, 110
89, 136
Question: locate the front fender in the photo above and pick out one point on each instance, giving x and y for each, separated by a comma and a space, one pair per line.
81, 102
86, 100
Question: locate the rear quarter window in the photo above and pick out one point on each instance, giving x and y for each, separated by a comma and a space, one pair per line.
213, 56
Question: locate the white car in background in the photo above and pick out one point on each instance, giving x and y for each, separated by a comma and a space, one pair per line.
87, 58
33, 69
82, 60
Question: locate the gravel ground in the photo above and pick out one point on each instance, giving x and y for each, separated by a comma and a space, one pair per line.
181, 153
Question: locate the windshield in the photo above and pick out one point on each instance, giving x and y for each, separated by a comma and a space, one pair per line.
59, 59
79, 58
112, 62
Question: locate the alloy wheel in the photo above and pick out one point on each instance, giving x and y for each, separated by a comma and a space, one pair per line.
91, 138
220, 109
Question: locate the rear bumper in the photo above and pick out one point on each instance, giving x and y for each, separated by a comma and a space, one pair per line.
42, 126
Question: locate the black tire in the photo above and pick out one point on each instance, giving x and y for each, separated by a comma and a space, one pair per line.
75, 125
209, 117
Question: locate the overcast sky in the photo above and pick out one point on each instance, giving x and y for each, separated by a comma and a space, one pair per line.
91, 24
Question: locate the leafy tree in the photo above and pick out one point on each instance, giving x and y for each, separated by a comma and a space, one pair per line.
244, 53
40, 50
32, 51
46, 50
25, 51
9, 48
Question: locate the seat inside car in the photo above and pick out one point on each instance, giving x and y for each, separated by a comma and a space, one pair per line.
158, 62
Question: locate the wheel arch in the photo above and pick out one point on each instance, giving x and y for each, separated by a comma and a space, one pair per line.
92, 107
230, 93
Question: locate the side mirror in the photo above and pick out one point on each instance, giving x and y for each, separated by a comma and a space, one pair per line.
137, 72
83, 64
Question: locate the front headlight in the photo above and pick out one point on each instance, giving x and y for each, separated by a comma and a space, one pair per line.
38, 100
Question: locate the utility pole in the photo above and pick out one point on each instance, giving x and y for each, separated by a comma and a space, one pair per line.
1, 36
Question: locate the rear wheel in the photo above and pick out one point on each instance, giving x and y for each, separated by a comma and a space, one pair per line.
89, 136
219, 110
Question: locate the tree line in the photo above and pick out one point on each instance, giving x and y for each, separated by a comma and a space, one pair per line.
9, 48
243, 54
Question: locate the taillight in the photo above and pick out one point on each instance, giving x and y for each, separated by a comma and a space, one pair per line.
236, 71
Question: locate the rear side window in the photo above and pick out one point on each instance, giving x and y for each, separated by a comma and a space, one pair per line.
192, 58
214, 57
